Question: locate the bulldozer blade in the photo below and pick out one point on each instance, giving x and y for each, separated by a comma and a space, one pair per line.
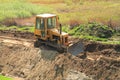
76, 48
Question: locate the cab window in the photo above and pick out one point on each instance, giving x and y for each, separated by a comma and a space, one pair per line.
39, 23
51, 22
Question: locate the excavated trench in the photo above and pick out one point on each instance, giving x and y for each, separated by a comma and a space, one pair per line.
97, 61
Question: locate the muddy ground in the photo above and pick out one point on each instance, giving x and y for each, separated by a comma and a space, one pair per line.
17, 34
19, 21
97, 62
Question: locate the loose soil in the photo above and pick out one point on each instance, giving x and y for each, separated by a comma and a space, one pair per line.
97, 62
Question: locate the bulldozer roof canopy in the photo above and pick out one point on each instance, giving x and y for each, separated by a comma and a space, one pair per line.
46, 15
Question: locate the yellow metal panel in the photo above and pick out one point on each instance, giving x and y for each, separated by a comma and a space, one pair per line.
37, 32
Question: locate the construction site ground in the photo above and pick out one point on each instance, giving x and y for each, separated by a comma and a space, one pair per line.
20, 59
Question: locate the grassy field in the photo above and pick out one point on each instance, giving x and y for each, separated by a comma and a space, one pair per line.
20, 9
83, 11
5, 78
70, 11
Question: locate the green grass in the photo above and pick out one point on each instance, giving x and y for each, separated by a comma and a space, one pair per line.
47, 1
23, 28
94, 32
20, 9
82, 11
85, 11
4, 78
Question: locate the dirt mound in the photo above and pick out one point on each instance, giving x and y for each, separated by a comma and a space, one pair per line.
37, 64
32, 63
99, 61
100, 67
22, 62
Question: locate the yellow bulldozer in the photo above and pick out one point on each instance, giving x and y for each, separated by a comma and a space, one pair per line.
48, 31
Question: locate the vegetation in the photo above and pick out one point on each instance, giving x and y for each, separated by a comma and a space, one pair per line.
20, 9
72, 12
84, 11
81, 11
91, 29
23, 28
4, 78
94, 32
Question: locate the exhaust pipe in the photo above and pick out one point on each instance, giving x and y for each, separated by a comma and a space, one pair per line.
60, 29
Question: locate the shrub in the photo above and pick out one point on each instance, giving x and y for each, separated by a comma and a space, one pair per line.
91, 29
99, 30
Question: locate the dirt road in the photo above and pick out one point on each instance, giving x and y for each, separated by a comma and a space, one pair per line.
17, 41
19, 58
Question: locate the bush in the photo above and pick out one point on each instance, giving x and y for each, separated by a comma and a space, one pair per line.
91, 31
99, 30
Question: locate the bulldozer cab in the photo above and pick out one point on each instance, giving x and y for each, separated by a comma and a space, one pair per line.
44, 23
